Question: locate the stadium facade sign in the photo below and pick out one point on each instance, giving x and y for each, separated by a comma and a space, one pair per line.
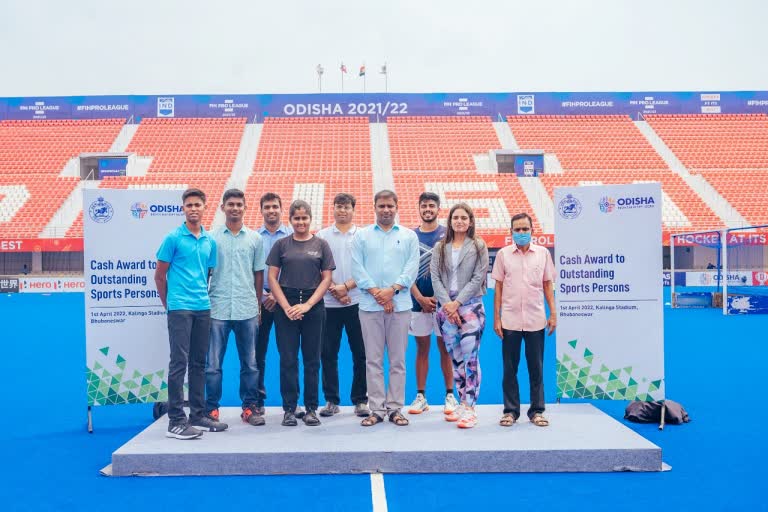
380, 106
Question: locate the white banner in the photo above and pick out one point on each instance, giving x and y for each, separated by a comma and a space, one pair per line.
610, 335
125, 323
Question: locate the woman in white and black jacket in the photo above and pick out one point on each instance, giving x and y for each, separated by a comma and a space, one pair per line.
459, 267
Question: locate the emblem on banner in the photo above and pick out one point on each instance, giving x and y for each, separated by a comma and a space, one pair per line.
759, 278
165, 107
525, 104
101, 211
607, 204
569, 207
139, 210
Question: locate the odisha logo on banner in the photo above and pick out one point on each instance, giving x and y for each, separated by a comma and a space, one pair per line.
165, 107
139, 210
525, 104
607, 204
569, 207
101, 211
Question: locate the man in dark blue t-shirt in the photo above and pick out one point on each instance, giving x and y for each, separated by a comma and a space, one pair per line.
423, 322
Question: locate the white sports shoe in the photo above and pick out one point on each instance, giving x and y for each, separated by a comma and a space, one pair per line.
450, 404
419, 404
457, 413
468, 419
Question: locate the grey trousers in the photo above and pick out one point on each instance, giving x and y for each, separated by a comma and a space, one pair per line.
382, 330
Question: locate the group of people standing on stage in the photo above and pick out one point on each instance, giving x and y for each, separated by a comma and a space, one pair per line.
377, 283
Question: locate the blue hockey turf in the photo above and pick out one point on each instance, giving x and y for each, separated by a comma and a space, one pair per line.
714, 366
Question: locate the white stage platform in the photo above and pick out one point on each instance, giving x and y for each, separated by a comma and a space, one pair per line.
580, 438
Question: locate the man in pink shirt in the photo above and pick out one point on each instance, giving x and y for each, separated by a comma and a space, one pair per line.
524, 275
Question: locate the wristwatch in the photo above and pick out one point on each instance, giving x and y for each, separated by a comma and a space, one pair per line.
395, 289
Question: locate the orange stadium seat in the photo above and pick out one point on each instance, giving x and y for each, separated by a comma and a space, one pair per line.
314, 144
33, 154
185, 152
587, 142
715, 141
423, 143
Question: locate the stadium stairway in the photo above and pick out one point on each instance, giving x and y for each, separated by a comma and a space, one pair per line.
505, 135
243, 168
543, 207
381, 159
711, 197
124, 138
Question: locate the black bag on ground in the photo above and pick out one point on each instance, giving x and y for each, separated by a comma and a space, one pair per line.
650, 412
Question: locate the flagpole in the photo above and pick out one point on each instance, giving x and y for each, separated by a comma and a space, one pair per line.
385, 72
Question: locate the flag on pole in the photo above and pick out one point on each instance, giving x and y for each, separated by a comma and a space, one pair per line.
362, 70
319, 69
383, 69
343, 68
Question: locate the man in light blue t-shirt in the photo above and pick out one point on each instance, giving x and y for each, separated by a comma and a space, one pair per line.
184, 261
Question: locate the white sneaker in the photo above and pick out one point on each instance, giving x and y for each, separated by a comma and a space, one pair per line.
419, 404
450, 404
468, 419
457, 413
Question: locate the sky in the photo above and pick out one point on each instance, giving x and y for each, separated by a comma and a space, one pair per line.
90, 47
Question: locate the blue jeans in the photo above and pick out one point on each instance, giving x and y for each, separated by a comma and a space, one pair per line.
245, 338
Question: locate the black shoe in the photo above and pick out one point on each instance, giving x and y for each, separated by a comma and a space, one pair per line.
206, 423
183, 431
259, 409
329, 410
299, 412
289, 419
311, 419
250, 416
159, 410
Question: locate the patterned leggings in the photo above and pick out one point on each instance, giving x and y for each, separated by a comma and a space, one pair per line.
463, 343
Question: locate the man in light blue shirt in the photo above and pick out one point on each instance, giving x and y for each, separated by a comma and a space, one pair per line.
271, 231
385, 262
235, 291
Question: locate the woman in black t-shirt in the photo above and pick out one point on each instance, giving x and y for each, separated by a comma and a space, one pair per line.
300, 267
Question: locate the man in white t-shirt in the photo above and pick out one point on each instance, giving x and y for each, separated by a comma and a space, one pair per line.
341, 312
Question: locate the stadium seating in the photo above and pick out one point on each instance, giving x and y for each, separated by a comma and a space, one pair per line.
314, 144
317, 188
32, 155
745, 189
423, 143
185, 153
715, 141
495, 198
314, 158
696, 214
587, 142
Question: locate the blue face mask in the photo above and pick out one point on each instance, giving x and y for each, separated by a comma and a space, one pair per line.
521, 239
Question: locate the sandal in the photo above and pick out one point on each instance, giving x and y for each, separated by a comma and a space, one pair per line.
539, 420
398, 419
371, 420
507, 420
